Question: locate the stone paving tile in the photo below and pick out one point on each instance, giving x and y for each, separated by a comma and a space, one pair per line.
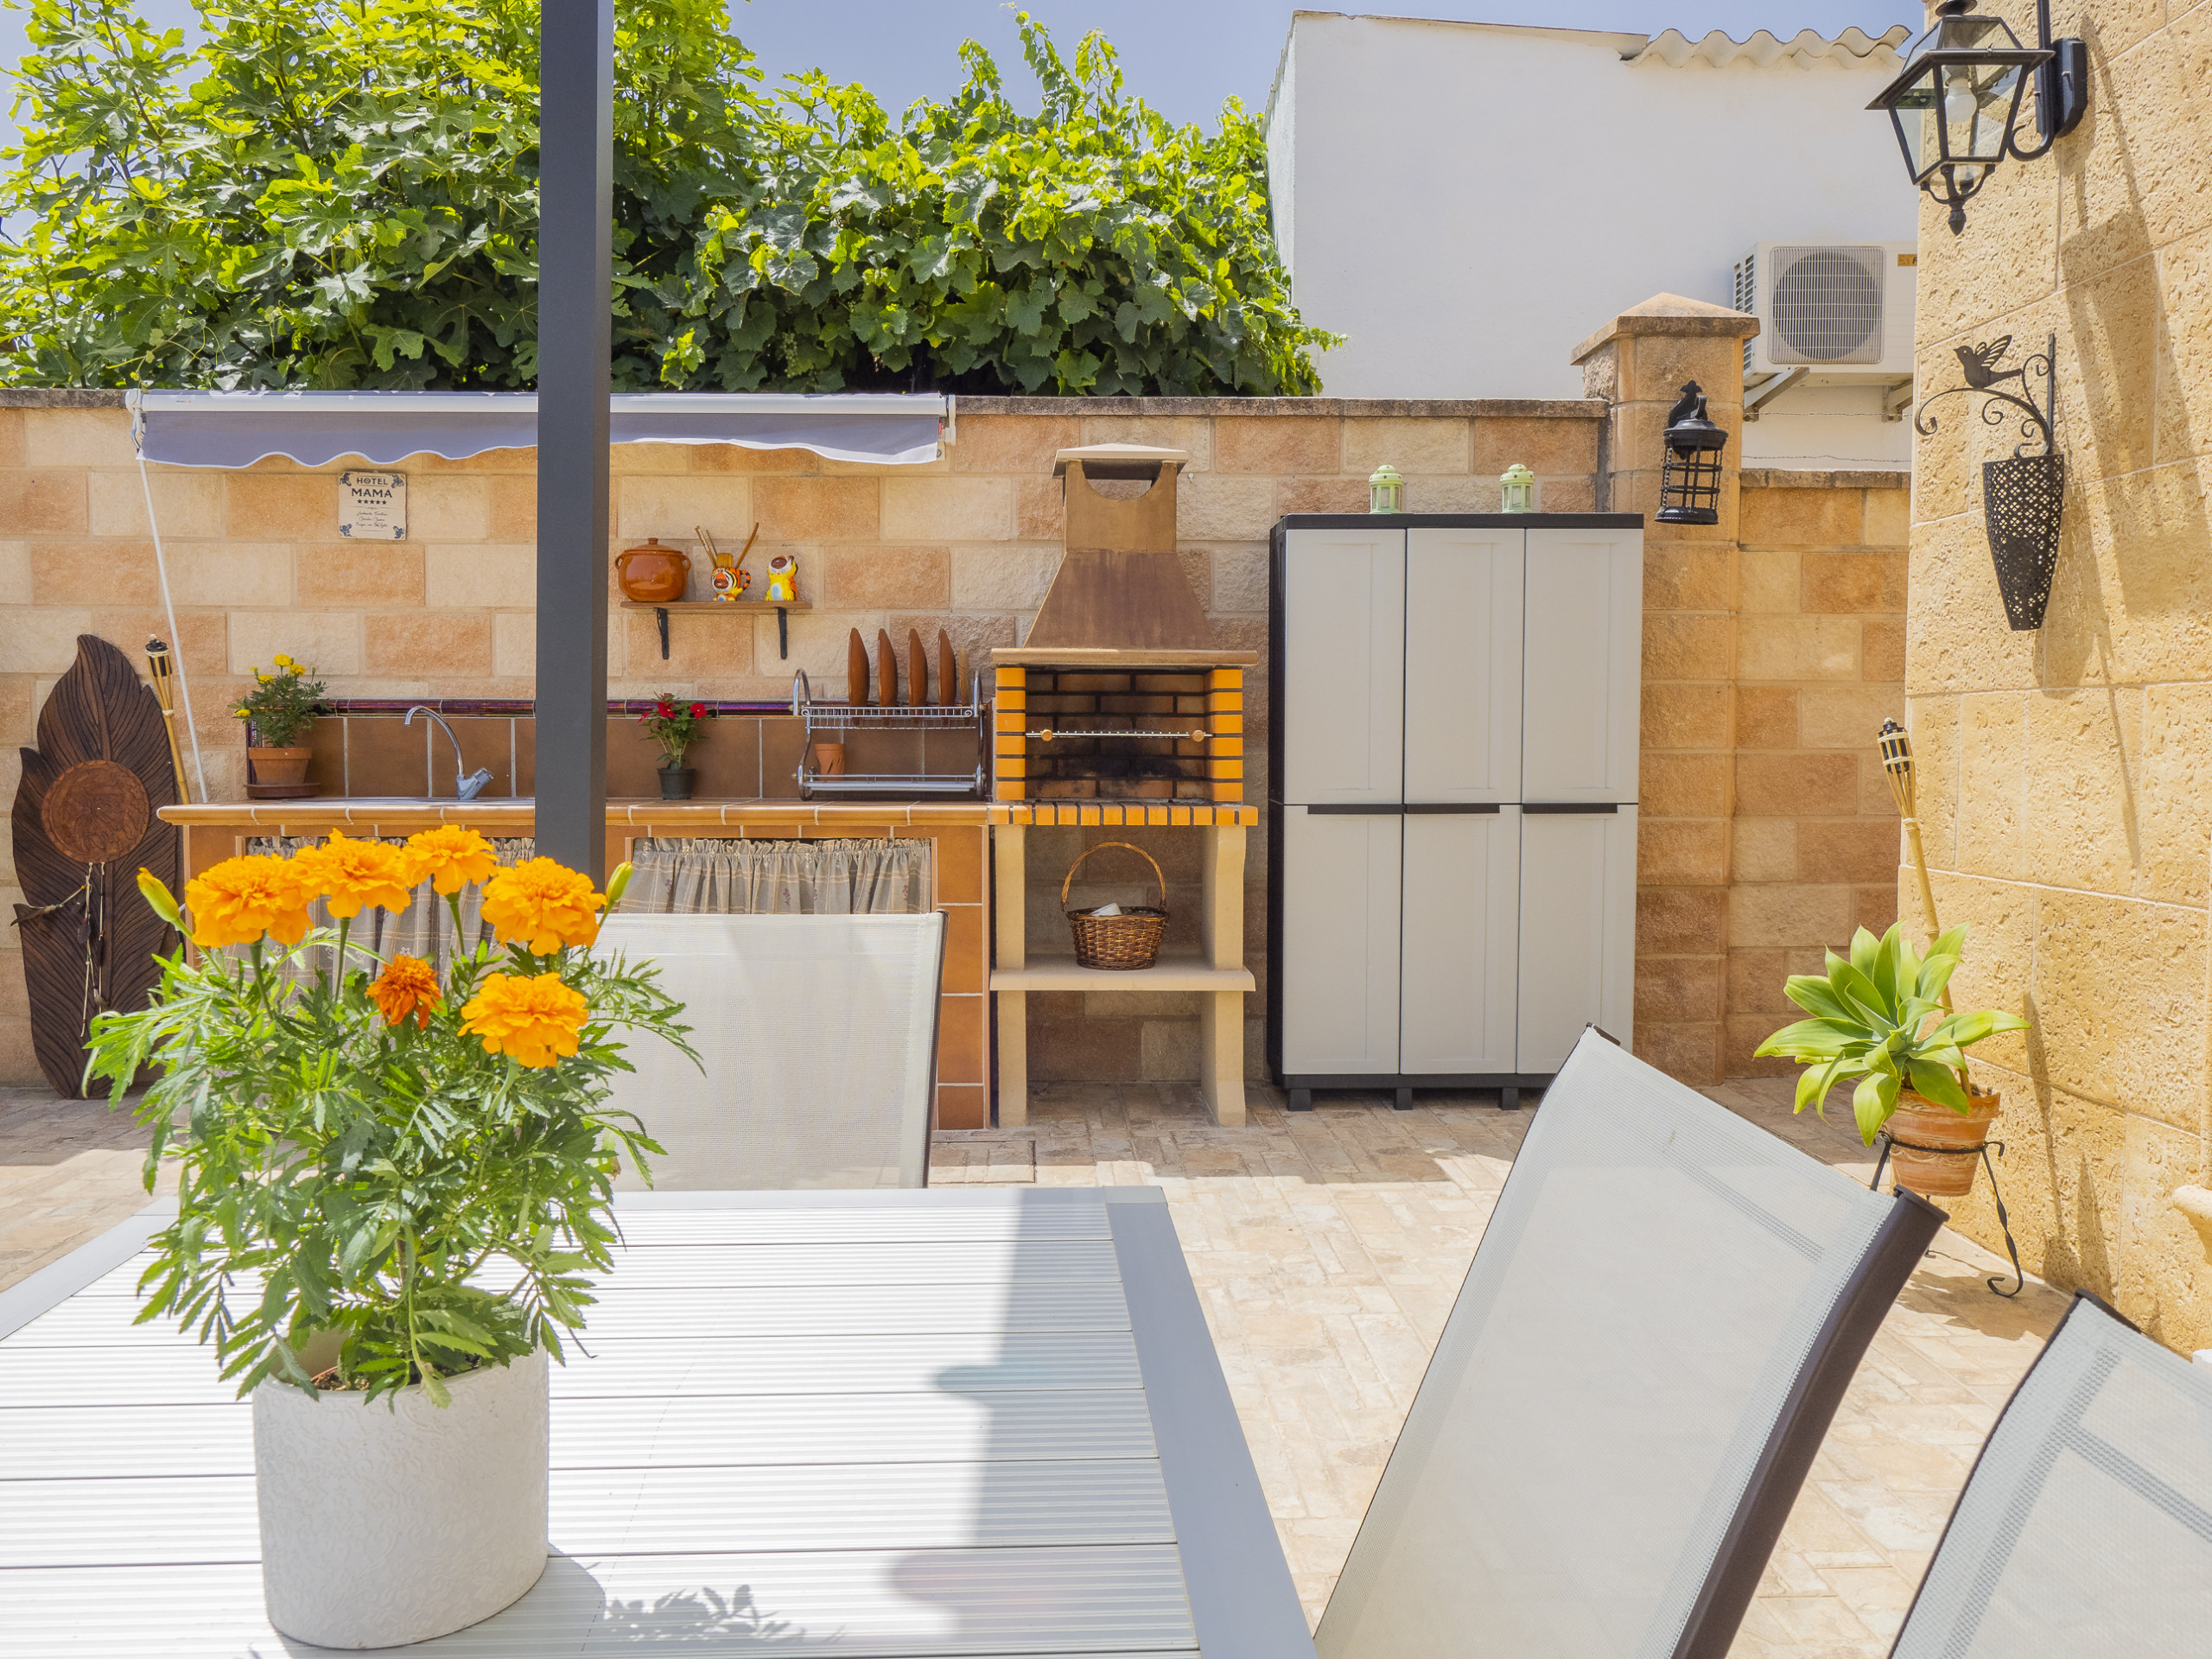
1326, 1248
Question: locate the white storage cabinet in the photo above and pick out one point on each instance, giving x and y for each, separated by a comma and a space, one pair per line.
1451, 826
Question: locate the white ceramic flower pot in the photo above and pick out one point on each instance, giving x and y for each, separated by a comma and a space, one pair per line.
399, 1521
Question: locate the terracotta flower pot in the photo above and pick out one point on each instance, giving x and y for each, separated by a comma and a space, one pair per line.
830, 760
280, 766
676, 783
1946, 1170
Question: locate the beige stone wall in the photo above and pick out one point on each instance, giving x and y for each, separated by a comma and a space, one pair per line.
2065, 770
967, 544
1773, 647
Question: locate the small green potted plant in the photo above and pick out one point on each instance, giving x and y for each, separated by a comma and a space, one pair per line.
1880, 1016
676, 725
394, 1191
279, 712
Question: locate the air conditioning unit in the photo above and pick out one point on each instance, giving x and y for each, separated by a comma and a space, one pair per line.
1839, 311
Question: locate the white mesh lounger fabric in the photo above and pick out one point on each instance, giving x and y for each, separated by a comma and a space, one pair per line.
818, 1038
2086, 1528
1657, 1329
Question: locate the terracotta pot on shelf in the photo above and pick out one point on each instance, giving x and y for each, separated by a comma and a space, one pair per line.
829, 759
676, 783
652, 574
280, 766
1946, 1170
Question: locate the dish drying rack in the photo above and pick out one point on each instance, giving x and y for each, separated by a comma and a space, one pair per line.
833, 721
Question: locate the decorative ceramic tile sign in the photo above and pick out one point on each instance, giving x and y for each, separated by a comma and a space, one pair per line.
373, 506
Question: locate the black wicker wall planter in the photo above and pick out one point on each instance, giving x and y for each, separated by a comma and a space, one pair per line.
2022, 497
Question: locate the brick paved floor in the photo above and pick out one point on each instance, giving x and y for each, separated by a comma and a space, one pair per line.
1328, 1248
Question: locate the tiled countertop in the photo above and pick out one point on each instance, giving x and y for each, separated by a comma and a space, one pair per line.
337, 812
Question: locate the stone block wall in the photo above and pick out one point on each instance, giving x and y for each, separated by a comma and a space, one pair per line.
2065, 770
967, 544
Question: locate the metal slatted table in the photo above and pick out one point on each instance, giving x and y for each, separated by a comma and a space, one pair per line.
897, 1423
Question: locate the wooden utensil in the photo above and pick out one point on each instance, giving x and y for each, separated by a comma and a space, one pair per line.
948, 671
887, 668
856, 671
918, 670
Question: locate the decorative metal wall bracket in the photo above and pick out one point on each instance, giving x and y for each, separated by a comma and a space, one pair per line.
2021, 497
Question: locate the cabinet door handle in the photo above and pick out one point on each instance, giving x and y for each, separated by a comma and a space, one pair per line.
1571, 806
1358, 809
1451, 807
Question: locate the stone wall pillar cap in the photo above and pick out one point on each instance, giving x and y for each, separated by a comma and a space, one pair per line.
1675, 315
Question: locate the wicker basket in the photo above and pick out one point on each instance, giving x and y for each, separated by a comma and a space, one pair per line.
1127, 942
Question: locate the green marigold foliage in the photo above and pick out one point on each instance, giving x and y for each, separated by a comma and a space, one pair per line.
343, 193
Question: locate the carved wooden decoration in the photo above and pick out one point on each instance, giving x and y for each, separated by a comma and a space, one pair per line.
83, 822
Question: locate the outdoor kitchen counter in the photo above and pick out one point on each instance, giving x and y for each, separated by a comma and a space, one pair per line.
960, 829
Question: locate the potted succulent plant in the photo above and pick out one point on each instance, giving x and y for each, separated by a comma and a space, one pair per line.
279, 712
676, 726
1882, 1016
393, 1189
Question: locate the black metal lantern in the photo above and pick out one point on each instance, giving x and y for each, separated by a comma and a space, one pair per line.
1956, 101
1689, 487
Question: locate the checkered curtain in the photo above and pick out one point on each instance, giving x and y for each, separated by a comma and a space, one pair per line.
424, 929
706, 876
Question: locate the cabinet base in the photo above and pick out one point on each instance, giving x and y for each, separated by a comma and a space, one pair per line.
1508, 1084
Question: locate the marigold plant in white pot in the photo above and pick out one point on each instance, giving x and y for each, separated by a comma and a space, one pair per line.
1881, 1016
392, 1190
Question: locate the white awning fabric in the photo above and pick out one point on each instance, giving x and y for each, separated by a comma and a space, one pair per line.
236, 428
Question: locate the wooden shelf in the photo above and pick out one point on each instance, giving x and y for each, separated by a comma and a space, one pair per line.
1168, 974
716, 604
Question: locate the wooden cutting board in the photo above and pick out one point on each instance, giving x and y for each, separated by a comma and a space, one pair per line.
855, 669
886, 670
948, 671
918, 670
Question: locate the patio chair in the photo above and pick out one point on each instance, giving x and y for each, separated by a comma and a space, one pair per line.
2086, 1528
1657, 1327
818, 1038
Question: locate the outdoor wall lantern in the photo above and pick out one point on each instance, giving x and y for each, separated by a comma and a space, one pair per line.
1516, 489
1956, 101
1689, 483
1386, 490
2021, 497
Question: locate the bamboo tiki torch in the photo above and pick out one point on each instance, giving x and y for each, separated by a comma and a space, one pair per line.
157, 665
1897, 765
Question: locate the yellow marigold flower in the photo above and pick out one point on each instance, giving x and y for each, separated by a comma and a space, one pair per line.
282, 660
543, 904
408, 985
452, 855
156, 894
352, 875
241, 898
534, 1021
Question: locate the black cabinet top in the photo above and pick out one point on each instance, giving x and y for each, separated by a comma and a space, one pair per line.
1461, 521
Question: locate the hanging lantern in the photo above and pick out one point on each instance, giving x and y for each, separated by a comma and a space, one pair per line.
1516, 488
1386, 490
1689, 487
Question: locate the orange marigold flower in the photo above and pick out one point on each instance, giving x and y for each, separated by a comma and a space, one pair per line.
408, 985
543, 904
352, 875
535, 1020
452, 855
241, 898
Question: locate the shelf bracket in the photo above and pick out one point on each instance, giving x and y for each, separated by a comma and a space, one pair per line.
783, 635
660, 616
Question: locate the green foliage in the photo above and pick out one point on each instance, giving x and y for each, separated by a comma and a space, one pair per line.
1879, 1017
343, 193
340, 1174
281, 705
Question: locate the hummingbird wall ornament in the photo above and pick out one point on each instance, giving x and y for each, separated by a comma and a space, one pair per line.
2024, 496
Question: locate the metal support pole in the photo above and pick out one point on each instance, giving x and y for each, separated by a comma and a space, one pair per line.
576, 212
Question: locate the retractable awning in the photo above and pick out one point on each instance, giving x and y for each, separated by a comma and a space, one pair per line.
236, 428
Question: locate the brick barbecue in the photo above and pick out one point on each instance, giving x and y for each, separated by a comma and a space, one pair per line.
1119, 694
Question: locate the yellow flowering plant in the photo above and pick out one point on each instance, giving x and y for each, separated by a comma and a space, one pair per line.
282, 704
420, 1164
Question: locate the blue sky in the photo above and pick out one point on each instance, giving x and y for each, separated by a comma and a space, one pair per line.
1183, 56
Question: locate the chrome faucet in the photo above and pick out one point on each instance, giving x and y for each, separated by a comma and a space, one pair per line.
467, 787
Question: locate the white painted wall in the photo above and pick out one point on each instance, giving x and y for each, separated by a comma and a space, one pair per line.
1467, 202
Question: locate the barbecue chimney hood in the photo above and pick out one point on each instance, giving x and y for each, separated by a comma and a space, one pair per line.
1119, 586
